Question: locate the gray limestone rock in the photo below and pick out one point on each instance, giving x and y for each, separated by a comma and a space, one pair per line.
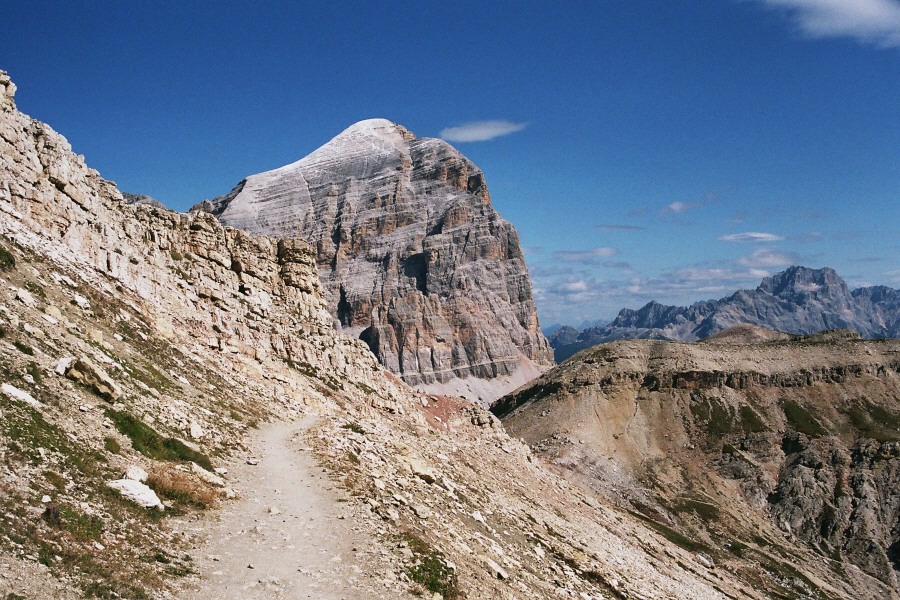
413, 257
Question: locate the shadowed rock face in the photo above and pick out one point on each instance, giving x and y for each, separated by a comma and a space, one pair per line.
411, 253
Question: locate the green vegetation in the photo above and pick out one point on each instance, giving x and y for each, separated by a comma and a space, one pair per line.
676, 537
751, 422
56, 480
737, 548
26, 430
509, 403
7, 260
874, 421
801, 420
36, 289
112, 445
148, 442
705, 510
23, 348
34, 371
430, 569
354, 427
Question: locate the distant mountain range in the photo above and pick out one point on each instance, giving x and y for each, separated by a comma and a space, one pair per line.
797, 300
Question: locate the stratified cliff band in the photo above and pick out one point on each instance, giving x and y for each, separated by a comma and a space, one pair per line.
413, 256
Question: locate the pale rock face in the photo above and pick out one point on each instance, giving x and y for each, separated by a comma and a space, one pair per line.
411, 253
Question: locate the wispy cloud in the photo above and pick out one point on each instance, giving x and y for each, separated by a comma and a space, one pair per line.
870, 21
585, 256
678, 207
750, 236
618, 228
481, 131
765, 258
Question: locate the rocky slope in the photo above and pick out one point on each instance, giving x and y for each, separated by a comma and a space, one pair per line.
413, 257
776, 455
798, 300
132, 336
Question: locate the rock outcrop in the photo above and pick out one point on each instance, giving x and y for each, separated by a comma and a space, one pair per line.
413, 257
799, 300
754, 442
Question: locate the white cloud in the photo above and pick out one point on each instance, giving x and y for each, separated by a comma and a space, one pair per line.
585, 256
750, 236
763, 258
679, 207
871, 21
481, 131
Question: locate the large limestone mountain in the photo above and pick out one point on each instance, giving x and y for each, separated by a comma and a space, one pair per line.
132, 336
413, 257
798, 300
776, 456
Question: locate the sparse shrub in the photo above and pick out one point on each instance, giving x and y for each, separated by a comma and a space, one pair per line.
181, 488
430, 569
2, 331
354, 427
23, 348
7, 260
112, 445
176, 255
801, 420
56, 480
36, 289
34, 371
150, 443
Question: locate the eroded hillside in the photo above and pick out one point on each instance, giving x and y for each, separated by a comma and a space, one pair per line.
777, 456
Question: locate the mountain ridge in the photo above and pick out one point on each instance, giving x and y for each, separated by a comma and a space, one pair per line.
797, 300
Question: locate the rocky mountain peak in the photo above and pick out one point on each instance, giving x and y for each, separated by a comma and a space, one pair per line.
413, 256
803, 280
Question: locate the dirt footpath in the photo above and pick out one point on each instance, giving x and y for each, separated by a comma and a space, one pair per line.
290, 534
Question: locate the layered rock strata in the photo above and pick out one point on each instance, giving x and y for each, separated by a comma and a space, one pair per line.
413, 257
750, 445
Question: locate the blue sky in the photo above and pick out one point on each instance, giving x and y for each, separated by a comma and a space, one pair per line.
647, 149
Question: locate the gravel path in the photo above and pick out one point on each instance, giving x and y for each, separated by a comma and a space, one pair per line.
289, 535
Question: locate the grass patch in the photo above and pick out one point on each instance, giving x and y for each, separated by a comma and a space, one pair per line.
7, 260
27, 430
737, 548
707, 511
112, 445
35, 372
354, 427
148, 442
56, 480
715, 415
751, 422
180, 488
430, 569
23, 348
507, 404
36, 289
676, 537
801, 420
874, 421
